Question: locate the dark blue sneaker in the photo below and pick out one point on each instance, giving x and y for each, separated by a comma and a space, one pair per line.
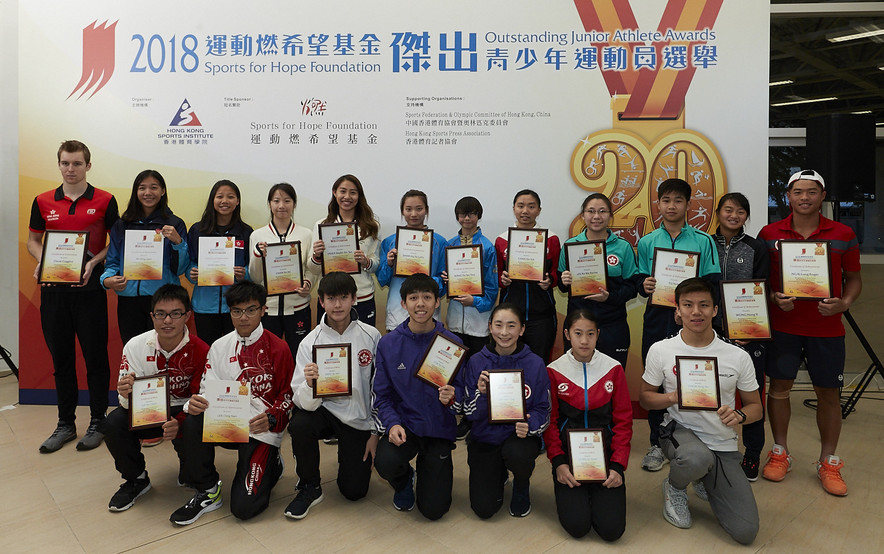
520, 505
403, 500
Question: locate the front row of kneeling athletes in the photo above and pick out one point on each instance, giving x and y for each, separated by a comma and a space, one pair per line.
391, 416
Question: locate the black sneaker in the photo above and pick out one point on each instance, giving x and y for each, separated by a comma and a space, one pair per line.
403, 500
750, 467
93, 436
63, 433
307, 497
463, 428
201, 503
520, 505
128, 493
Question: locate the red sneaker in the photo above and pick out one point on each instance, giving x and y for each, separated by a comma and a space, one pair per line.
829, 472
779, 463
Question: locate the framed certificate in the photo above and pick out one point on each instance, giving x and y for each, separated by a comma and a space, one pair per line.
215, 260
697, 379
587, 455
143, 255
341, 242
526, 254
283, 272
805, 269
441, 361
670, 268
149, 402
227, 417
588, 263
464, 266
63, 258
335, 363
506, 396
414, 251
745, 312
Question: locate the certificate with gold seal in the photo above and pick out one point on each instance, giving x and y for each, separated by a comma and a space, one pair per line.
805, 269
215, 259
670, 268
441, 361
745, 312
414, 251
506, 396
283, 269
63, 257
149, 402
588, 263
335, 364
698, 386
227, 417
587, 455
341, 243
143, 255
464, 267
526, 254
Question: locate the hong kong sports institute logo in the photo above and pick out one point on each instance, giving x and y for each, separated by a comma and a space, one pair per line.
98, 58
185, 116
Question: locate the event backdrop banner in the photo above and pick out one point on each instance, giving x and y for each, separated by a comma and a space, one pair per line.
456, 98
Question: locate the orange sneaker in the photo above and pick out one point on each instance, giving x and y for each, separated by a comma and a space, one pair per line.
829, 472
779, 463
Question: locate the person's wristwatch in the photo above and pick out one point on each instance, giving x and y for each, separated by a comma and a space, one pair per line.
742, 415
271, 419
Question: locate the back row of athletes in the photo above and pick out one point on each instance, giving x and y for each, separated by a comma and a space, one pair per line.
800, 328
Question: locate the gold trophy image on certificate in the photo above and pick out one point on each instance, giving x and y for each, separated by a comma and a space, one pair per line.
669, 268
588, 263
698, 385
149, 402
341, 243
441, 362
283, 270
745, 310
215, 261
506, 396
335, 365
414, 251
227, 417
587, 455
526, 253
805, 266
464, 267
63, 257
143, 255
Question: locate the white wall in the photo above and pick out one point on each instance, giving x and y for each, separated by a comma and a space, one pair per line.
9, 176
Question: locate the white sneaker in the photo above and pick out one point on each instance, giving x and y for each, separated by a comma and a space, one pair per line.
654, 459
675, 506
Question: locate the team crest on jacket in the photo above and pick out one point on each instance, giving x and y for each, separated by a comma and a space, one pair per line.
613, 260
527, 391
609, 386
563, 387
364, 357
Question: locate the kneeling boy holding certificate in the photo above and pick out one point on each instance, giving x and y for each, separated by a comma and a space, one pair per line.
243, 403
700, 375
413, 417
177, 359
332, 388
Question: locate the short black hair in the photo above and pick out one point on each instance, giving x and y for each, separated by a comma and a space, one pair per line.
528, 192
509, 306
674, 186
694, 284
580, 313
737, 198
286, 189
337, 283
419, 282
243, 291
467, 205
171, 292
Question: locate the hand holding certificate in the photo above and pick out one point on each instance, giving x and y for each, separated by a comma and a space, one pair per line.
143, 255
588, 263
63, 257
526, 254
227, 417
464, 265
506, 396
334, 362
698, 386
441, 362
586, 450
746, 315
149, 402
283, 272
670, 268
341, 242
805, 269
414, 251
216, 261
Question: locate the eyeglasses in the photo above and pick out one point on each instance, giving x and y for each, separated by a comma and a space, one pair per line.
469, 214
248, 312
592, 212
174, 314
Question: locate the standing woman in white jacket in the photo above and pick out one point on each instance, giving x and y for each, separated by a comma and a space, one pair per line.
288, 315
348, 203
